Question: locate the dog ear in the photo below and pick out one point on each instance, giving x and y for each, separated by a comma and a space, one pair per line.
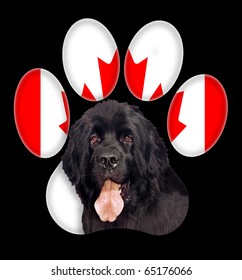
156, 153
159, 170
150, 153
74, 160
152, 145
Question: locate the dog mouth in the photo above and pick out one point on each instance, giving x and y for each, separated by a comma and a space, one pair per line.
111, 199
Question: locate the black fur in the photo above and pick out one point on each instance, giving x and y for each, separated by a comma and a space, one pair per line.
155, 199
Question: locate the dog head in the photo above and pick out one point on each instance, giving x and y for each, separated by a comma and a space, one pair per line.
113, 157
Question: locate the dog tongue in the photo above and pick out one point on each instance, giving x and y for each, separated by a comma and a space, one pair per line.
109, 204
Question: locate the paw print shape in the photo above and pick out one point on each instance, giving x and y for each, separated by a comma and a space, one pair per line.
153, 61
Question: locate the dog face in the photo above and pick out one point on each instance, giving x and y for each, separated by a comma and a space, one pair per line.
117, 162
111, 149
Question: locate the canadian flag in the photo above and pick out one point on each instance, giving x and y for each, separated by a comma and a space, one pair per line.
197, 115
41, 113
91, 59
153, 60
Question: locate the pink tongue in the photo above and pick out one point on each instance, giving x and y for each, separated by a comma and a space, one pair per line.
109, 204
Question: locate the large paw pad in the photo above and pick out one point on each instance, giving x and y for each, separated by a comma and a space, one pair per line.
196, 117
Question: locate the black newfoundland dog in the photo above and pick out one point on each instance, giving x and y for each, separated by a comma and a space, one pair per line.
121, 172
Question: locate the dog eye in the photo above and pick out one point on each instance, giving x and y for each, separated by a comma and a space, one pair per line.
94, 139
128, 139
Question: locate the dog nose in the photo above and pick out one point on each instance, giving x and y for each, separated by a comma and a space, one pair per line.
108, 160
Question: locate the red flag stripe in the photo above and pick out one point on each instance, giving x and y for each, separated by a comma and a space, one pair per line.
215, 110
27, 110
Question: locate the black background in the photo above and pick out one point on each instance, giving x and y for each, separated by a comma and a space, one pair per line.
33, 37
